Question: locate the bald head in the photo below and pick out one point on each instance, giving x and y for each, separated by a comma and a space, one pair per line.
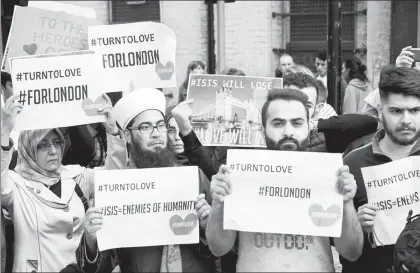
286, 61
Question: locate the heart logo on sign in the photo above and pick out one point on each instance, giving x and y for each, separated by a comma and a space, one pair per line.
181, 226
165, 72
30, 49
91, 108
324, 218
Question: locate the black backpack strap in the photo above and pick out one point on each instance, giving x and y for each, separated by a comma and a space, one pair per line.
81, 196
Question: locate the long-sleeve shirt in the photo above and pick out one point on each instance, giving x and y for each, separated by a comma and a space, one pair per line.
342, 130
374, 259
339, 132
48, 227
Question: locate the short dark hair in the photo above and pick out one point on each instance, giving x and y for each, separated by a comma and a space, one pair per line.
232, 72
5, 77
301, 80
283, 94
278, 73
399, 80
322, 55
357, 70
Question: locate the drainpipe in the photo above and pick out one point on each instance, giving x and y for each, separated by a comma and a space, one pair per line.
334, 55
221, 35
210, 39
110, 13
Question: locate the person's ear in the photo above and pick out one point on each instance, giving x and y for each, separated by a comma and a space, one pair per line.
380, 111
127, 136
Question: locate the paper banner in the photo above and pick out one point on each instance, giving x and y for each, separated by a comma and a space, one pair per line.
227, 109
147, 207
284, 192
56, 90
38, 31
394, 188
142, 53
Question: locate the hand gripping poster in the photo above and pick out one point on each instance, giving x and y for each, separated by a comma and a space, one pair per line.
227, 109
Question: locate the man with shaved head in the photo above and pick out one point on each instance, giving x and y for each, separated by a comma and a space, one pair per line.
286, 62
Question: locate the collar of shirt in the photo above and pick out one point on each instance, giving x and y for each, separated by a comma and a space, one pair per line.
380, 135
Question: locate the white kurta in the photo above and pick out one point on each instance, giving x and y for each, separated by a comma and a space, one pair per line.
47, 228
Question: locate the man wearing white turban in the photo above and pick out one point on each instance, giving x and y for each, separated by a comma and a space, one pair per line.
140, 114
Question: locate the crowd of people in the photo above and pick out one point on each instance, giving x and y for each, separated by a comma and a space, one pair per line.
49, 221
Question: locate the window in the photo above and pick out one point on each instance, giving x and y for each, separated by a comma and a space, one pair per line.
135, 11
309, 29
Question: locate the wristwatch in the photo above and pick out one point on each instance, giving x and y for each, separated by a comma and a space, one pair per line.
8, 148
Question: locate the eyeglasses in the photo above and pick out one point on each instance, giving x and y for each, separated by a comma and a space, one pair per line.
45, 146
148, 129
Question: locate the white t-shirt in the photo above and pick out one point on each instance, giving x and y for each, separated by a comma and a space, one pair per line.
262, 252
323, 80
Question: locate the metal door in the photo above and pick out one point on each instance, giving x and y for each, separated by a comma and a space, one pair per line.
308, 29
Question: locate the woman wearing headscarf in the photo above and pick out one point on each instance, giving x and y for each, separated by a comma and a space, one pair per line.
46, 200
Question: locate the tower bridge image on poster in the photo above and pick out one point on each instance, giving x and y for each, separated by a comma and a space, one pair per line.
227, 116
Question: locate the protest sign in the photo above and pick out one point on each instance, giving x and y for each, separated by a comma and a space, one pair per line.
142, 54
227, 109
147, 207
394, 188
284, 192
38, 31
56, 90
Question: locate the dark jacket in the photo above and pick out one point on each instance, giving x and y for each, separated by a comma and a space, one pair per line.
380, 258
334, 135
317, 142
81, 146
342, 130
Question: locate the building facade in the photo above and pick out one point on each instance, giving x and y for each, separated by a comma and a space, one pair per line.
258, 32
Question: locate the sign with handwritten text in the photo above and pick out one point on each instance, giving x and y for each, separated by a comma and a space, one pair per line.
38, 31
153, 206
394, 188
140, 54
266, 184
227, 109
56, 90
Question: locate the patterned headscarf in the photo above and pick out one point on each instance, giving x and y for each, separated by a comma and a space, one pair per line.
27, 166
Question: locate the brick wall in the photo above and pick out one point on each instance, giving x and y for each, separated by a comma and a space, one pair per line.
248, 34
101, 8
189, 21
361, 25
378, 38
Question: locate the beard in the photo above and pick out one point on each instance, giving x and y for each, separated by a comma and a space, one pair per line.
393, 134
159, 158
287, 144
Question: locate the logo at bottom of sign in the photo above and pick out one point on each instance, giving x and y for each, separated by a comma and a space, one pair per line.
184, 226
324, 217
91, 107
